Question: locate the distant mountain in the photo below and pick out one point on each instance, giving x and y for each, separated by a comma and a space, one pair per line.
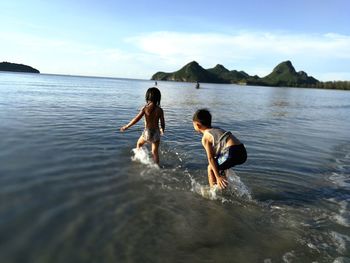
283, 74
7, 66
227, 76
190, 73
218, 70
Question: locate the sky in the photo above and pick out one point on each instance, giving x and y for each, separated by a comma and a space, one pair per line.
135, 39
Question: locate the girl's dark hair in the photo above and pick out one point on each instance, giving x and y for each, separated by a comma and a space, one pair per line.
153, 95
203, 116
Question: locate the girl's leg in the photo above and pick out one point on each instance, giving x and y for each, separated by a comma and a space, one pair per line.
211, 177
155, 147
140, 142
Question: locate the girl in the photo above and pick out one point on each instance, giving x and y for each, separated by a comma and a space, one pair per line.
153, 114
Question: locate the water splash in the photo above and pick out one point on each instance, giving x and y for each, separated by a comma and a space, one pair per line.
235, 188
143, 156
341, 167
211, 193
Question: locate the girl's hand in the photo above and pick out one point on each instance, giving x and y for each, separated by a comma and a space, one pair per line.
161, 131
124, 128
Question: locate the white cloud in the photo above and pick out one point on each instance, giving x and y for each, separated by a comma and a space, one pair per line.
169, 44
254, 52
68, 57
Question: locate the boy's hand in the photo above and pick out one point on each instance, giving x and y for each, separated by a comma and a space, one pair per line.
221, 182
124, 128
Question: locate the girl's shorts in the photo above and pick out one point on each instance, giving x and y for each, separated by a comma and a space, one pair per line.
151, 135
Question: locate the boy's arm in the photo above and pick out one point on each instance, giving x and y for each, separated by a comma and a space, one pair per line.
162, 122
133, 121
221, 181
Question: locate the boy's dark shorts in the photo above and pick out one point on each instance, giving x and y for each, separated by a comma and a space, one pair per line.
233, 155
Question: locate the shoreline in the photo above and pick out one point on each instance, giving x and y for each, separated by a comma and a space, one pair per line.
159, 81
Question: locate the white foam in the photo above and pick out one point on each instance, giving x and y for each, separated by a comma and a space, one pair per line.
288, 257
343, 217
340, 179
312, 246
340, 240
341, 260
142, 155
341, 176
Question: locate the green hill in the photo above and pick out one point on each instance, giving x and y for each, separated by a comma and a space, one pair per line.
13, 67
191, 72
284, 74
218, 70
227, 76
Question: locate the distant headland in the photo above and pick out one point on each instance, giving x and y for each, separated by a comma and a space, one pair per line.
13, 67
283, 75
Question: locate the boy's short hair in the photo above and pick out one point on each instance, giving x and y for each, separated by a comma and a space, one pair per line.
203, 116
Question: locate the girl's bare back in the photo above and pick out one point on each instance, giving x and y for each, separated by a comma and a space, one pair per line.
153, 114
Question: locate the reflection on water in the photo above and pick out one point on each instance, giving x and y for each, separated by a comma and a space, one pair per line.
70, 191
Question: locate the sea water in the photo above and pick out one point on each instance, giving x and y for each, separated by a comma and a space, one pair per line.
72, 189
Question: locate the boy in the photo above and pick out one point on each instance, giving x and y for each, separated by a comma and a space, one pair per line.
223, 149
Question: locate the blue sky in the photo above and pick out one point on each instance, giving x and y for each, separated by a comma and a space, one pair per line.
135, 39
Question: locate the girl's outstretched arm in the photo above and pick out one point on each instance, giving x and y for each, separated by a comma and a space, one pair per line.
134, 120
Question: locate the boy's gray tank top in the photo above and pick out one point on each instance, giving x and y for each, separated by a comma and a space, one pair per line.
219, 139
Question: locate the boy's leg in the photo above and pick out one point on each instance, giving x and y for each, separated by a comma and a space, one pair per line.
211, 177
140, 142
155, 147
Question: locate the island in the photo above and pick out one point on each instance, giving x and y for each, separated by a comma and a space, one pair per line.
283, 75
13, 67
